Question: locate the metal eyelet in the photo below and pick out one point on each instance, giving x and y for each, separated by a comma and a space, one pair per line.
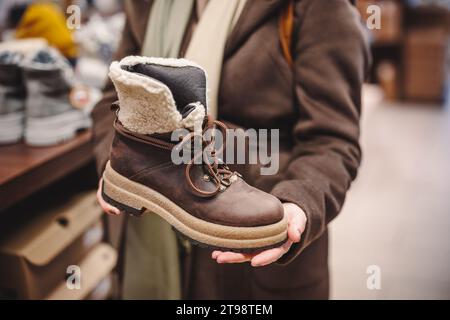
206, 178
225, 182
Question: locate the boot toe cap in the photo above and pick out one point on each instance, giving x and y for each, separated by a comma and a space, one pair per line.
263, 210
245, 206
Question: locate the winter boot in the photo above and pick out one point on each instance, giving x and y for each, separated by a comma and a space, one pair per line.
51, 115
203, 200
12, 97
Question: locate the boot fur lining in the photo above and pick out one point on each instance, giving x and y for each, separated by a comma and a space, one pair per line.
146, 104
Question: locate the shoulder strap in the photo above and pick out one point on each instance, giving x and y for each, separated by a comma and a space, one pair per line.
285, 28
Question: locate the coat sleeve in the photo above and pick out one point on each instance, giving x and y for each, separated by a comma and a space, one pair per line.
102, 116
330, 61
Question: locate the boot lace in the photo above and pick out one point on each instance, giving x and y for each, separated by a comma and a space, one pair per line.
216, 170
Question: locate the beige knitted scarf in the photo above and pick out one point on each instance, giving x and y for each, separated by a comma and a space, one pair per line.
152, 268
165, 30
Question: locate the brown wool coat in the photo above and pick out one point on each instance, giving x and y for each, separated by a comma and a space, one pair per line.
316, 105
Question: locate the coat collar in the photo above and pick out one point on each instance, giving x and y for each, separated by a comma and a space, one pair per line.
254, 13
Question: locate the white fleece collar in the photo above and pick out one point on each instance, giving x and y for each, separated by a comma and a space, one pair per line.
147, 105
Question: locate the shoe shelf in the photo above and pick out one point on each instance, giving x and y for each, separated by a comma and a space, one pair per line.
25, 170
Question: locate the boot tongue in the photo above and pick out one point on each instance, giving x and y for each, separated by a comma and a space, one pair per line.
186, 83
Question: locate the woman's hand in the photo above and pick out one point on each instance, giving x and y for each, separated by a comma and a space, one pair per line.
296, 226
105, 206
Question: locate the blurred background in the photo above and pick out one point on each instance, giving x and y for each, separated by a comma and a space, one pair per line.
396, 220
397, 214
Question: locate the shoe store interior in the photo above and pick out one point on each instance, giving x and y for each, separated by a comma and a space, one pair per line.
56, 242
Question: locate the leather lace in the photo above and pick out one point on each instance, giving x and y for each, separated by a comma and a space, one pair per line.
215, 170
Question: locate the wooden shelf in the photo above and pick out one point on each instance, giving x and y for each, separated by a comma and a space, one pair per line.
25, 170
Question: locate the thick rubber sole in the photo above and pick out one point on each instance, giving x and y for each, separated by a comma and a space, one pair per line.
135, 199
11, 127
49, 131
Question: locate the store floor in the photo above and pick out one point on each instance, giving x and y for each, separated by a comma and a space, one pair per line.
397, 214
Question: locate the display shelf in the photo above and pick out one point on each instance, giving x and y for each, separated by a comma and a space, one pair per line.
25, 170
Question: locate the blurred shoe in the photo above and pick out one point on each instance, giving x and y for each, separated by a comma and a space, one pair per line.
12, 97
99, 38
24, 46
55, 108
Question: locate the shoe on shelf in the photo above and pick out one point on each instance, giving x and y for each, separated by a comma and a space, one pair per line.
203, 200
52, 116
12, 97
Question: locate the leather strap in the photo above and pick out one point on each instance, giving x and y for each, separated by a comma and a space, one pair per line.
142, 137
285, 28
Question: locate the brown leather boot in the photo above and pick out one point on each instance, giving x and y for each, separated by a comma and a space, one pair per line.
203, 200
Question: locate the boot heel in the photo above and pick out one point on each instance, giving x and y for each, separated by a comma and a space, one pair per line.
122, 207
